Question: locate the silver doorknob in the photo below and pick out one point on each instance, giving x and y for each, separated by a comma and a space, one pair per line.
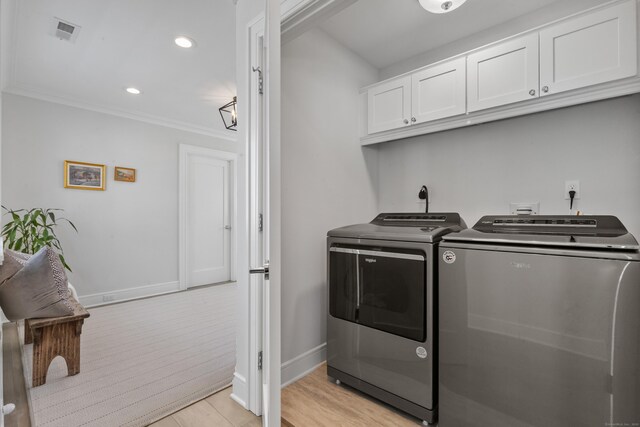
261, 270
227, 227
413, 119
8, 408
405, 121
545, 89
532, 92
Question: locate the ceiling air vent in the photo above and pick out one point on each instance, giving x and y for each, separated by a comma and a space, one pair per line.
65, 30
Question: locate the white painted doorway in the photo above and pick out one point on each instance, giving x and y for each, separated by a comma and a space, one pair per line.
264, 214
207, 186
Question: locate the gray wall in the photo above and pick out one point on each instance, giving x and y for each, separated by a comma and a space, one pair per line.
328, 179
480, 169
128, 234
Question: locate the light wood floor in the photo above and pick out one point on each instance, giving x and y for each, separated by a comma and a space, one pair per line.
14, 390
312, 401
316, 401
217, 410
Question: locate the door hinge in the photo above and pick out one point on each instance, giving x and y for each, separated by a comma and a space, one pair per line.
260, 360
260, 80
260, 222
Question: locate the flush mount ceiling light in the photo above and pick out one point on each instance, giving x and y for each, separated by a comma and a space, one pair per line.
441, 6
184, 42
133, 91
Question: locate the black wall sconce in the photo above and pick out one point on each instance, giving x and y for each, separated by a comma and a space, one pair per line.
229, 114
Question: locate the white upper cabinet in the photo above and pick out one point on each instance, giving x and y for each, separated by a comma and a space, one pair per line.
588, 57
439, 91
588, 50
389, 105
503, 74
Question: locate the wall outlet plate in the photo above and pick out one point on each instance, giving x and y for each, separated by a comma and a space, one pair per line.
574, 185
524, 208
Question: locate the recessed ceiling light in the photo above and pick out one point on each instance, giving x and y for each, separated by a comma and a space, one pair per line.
441, 6
133, 91
184, 42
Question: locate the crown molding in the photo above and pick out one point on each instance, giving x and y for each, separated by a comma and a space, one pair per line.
21, 90
299, 16
11, 9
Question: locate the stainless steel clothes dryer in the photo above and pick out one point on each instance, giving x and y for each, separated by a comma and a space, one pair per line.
380, 326
540, 323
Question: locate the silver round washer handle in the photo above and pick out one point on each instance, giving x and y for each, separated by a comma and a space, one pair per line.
532, 92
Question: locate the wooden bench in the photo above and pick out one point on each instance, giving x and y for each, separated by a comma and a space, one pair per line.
55, 336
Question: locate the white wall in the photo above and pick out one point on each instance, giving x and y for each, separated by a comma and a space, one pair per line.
128, 234
478, 170
328, 180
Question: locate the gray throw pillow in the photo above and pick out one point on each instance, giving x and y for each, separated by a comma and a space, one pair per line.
38, 290
11, 265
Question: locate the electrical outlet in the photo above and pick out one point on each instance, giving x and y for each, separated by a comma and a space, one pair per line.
108, 298
573, 185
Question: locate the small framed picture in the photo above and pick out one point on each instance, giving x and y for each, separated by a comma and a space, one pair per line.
84, 176
124, 174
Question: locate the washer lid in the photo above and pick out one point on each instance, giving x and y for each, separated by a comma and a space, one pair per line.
409, 227
593, 231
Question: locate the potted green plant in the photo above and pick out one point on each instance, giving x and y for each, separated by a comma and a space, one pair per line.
30, 230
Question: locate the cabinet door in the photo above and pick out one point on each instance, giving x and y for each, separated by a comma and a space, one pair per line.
439, 91
503, 74
389, 105
588, 50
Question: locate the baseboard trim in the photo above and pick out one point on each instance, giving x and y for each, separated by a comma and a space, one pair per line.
121, 295
240, 388
294, 369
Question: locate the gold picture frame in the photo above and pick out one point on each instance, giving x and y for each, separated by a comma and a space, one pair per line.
124, 174
85, 176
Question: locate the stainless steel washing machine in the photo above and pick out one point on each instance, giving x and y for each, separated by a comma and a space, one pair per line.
539, 323
380, 326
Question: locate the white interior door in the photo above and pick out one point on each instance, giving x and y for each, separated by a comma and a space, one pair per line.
257, 223
207, 183
265, 170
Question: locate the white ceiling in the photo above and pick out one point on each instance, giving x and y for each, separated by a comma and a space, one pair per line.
385, 32
126, 43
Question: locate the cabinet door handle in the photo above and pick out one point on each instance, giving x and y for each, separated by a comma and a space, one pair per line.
545, 89
413, 119
532, 92
405, 121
